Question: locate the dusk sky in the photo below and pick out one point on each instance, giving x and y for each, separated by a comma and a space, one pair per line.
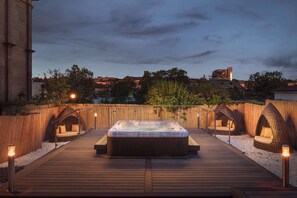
126, 37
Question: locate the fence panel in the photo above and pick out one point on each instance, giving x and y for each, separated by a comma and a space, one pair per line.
28, 132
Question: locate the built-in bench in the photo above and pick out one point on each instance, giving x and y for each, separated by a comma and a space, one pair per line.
70, 133
101, 146
193, 146
221, 128
63, 135
265, 136
67, 134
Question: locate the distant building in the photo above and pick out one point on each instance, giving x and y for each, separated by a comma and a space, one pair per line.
292, 83
104, 83
286, 93
136, 80
222, 74
106, 80
223, 78
15, 49
226, 84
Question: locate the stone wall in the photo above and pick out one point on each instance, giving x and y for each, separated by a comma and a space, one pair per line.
15, 49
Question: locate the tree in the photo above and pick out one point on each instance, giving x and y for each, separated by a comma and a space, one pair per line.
123, 91
55, 88
170, 93
236, 93
173, 74
209, 94
261, 85
82, 83
149, 78
145, 82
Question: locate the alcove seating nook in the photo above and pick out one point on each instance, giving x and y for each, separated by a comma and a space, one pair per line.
271, 131
68, 125
225, 120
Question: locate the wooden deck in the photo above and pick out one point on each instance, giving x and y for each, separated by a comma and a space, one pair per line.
76, 170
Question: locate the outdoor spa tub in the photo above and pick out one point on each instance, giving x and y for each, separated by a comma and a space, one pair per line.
147, 138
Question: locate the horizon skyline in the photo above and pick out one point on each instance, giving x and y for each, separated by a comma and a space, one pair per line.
116, 38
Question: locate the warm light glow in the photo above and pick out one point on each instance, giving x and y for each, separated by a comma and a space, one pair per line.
286, 150
11, 150
72, 96
95, 114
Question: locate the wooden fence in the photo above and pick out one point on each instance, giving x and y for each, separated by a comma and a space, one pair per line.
28, 132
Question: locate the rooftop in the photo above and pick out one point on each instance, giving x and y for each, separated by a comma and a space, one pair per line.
288, 88
76, 170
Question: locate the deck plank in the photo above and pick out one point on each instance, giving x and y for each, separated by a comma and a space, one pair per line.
76, 170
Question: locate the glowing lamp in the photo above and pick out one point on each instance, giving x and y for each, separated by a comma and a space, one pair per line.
286, 150
95, 114
285, 164
72, 96
11, 150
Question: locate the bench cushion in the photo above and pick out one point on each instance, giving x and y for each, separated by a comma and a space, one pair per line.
219, 123
221, 128
67, 134
231, 123
264, 140
74, 127
62, 129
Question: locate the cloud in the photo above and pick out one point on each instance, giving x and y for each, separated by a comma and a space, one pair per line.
240, 11
161, 60
122, 21
194, 14
169, 42
155, 30
213, 39
237, 35
200, 55
285, 61
139, 23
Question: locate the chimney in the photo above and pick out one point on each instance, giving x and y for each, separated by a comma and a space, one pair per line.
229, 73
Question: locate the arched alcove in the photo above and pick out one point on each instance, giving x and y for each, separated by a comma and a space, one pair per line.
68, 118
225, 118
271, 131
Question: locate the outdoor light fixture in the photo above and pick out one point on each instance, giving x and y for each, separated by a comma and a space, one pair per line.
286, 150
11, 167
198, 121
285, 164
72, 96
95, 120
11, 150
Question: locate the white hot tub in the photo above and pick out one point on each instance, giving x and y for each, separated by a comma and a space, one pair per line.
136, 128
147, 138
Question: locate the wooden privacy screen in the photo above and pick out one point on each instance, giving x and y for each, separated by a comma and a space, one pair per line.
28, 132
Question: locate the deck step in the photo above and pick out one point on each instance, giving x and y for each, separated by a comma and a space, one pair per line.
101, 145
263, 192
193, 146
